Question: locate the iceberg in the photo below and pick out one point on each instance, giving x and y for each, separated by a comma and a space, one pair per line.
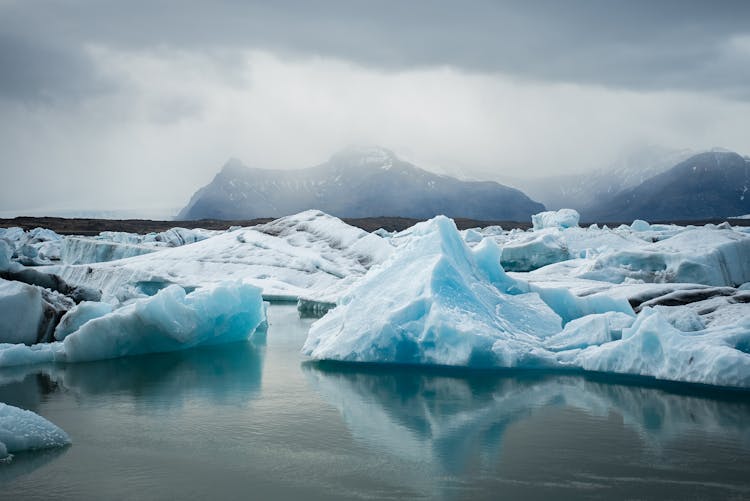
28, 313
436, 302
35, 247
22, 430
653, 347
699, 255
170, 320
563, 218
300, 255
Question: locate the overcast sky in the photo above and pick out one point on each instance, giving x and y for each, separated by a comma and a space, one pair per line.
135, 104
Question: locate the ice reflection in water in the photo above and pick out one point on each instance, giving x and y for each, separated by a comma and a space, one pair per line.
460, 422
246, 420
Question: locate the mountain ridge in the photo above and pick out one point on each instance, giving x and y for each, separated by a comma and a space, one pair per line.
355, 182
712, 184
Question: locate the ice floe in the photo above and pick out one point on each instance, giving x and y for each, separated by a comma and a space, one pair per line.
170, 320
294, 256
436, 301
664, 301
22, 430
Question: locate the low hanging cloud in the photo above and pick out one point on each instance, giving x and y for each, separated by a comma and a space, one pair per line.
137, 105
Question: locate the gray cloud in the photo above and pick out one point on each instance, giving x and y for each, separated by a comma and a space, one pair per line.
644, 45
116, 105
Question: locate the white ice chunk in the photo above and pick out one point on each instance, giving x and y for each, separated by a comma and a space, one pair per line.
82, 313
21, 311
698, 255
6, 253
640, 225
563, 218
653, 347
534, 251
22, 430
590, 330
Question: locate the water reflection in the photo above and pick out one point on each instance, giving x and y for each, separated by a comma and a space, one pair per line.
220, 375
456, 419
27, 462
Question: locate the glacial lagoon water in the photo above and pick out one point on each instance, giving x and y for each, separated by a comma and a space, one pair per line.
255, 420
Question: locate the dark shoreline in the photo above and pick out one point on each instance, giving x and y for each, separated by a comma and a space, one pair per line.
87, 226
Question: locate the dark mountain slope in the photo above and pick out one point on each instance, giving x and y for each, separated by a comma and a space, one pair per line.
708, 185
354, 183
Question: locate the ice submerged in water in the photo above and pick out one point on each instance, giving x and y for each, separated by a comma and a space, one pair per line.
170, 320
22, 430
438, 302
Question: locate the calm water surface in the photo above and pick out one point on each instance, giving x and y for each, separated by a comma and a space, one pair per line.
256, 421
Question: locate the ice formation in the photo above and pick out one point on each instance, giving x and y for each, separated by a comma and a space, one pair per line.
300, 255
22, 430
435, 303
114, 245
438, 302
663, 301
35, 247
563, 218
28, 313
170, 320
78, 250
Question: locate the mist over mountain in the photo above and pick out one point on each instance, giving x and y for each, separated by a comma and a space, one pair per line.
708, 185
590, 189
356, 182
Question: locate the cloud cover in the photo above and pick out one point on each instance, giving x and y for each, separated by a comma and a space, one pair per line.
135, 104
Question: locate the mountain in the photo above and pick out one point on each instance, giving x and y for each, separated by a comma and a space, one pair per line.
582, 191
709, 185
356, 182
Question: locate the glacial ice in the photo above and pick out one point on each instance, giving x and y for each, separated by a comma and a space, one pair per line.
28, 313
20, 312
699, 255
114, 245
170, 320
22, 430
655, 300
34, 247
654, 347
79, 250
436, 301
537, 250
82, 313
300, 255
563, 218
40, 246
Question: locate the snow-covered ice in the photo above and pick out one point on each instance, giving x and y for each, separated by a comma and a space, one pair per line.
294, 256
22, 430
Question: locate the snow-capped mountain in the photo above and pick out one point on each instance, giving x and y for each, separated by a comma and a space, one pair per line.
714, 184
582, 191
356, 182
